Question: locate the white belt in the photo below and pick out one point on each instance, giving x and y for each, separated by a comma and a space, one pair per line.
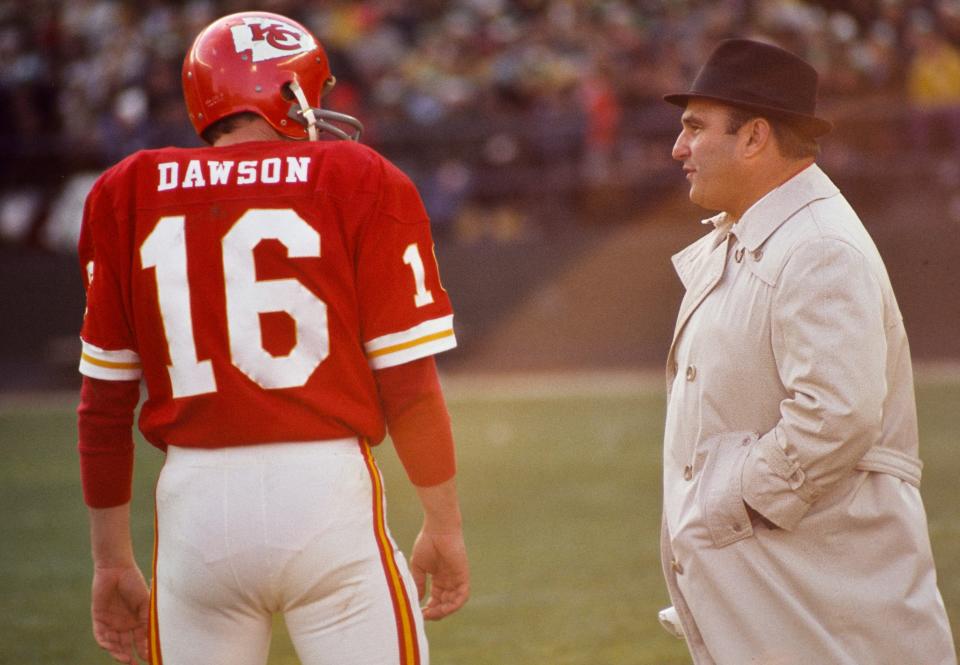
887, 460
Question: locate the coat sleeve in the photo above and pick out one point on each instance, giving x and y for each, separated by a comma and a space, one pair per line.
828, 337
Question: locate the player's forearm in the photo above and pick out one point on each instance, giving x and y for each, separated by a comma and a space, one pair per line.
418, 421
441, 508
110, 541
105, 441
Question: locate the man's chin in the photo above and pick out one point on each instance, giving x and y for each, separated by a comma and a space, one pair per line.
695, 196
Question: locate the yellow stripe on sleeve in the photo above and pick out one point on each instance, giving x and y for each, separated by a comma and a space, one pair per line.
412, 343
107, 363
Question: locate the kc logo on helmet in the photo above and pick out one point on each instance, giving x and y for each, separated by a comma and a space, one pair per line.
267, 39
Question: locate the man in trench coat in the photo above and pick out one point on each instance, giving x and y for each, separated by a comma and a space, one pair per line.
793, 529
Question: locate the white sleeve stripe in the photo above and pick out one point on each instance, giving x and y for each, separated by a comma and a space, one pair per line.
416, 334
108, 374
119, 356
426, 339
119, 365
427, 347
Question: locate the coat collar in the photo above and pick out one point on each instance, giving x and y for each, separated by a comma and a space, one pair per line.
777, 206
689, 261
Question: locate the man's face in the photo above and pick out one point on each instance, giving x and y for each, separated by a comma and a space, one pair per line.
709, 156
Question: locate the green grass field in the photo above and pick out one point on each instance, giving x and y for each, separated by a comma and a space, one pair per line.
561, 501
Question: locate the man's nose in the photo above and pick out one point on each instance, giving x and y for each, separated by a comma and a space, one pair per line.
680, 150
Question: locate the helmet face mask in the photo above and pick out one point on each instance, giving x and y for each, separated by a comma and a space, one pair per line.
265, 64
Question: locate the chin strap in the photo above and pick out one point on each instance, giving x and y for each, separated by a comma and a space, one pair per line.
315, 120
305, 113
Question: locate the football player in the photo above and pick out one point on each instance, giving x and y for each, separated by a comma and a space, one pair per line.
280, 299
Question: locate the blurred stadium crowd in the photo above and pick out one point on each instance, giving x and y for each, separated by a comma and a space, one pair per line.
486, 103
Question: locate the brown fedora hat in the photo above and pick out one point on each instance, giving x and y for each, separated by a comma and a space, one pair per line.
759, 77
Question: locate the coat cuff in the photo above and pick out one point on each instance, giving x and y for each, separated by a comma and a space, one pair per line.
775, 485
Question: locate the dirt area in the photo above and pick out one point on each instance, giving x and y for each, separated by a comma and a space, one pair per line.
614, 305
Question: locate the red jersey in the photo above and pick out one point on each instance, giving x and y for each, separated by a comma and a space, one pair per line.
256, 286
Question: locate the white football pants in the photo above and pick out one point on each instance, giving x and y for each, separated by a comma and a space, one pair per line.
293, 528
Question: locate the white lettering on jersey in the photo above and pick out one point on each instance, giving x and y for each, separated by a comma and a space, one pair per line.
297, 168
219, 172
194, 176
270, 171
168, 175
267, 39
247, 172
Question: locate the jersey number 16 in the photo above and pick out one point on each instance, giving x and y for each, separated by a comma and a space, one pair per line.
246, 298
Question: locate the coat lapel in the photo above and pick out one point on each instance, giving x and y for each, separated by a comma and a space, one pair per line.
700, 267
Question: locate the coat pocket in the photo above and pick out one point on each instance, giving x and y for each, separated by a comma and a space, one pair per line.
719, 492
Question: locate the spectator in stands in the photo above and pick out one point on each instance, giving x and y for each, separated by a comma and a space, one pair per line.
933, 85
453, 69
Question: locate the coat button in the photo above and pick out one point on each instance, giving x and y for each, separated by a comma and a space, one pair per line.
687, 472
757, 254
676, 567
691, 373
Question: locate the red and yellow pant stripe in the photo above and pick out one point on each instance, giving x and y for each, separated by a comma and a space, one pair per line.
153, 638
403, 609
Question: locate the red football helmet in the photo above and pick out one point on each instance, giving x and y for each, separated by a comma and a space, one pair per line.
266, 64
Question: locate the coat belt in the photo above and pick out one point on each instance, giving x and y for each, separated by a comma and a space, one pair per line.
887, 460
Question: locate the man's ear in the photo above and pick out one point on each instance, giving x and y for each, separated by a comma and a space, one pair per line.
758, 135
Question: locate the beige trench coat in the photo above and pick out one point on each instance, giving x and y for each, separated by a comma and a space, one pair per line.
790, 388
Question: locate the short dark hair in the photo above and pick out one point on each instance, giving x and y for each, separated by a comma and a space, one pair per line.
792, 141
226, 125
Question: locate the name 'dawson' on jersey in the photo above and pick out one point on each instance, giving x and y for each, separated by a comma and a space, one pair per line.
208, 173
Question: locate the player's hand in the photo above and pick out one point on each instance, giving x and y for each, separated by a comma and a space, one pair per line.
120, 610
442, 557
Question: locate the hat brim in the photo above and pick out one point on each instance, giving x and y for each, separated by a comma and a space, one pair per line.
809, 124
